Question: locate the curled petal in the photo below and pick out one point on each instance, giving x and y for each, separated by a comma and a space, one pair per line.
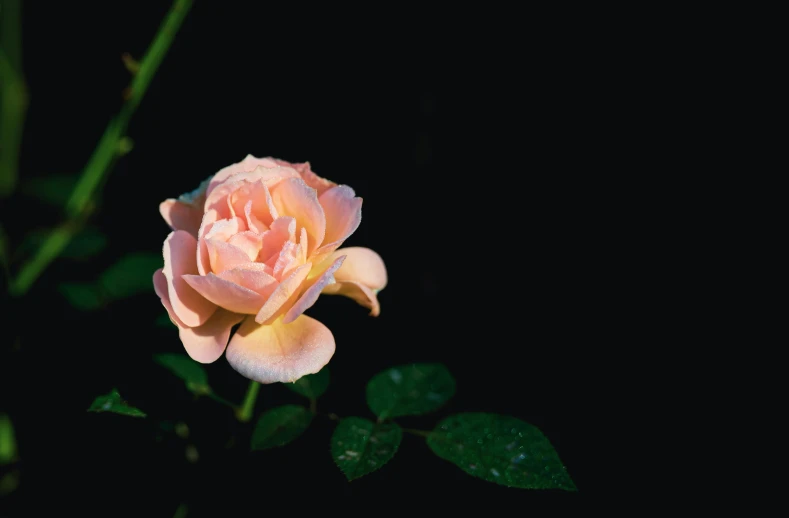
343, 214
226, 294
361, 265
218, 197
310, 296
281, 231
285, 293
248, 241
253, 222
293, 197
203, 261
313, 180
205, 343
180, 258
280, 352
224, 256
249, 164
363, 295
181, 216
255, 276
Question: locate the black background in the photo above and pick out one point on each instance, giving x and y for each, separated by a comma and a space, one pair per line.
470, 140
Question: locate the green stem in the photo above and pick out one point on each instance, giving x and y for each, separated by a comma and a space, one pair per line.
107, 149
13, 94
220, 399
421, 433
244, 414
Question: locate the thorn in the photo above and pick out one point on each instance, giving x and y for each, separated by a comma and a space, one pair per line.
125, 145
131, 64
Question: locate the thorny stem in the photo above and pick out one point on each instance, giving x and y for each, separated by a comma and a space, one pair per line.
106, 150
244, 414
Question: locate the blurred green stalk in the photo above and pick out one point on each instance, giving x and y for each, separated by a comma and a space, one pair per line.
13, 94
99, 164
244, 414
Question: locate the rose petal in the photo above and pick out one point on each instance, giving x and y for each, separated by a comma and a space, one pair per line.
224, 256
203, 261
343, 214
253, 222
361, 265
273, 240
180, 258
250, 163
224, 229
285, 293
226, 294
293, 197
310, 178
205, 343
310, 296
248, 241
279, 352
255, 276
217, 199
290, 251
356, 291
181, 216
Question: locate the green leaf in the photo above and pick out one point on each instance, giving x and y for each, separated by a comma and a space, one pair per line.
359, 446
279, 426
81, 295
131, 275
410, 390
52, 190
311, 386
187, 369
7, 441
112, 402
500, 449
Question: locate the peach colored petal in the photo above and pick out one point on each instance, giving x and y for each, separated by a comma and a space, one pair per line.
181, 216
217, 199
248, 241
303, 245
272, 240
280, 352
226, 294
253, 222
280, 299
180, 258
310, 178
310, 296
203, 262
224, 229
343, 213
224, 256
255, 276
250, 163
256, 196
287, 256
361, 265
356, 291
205, 343
161, 289
293, 197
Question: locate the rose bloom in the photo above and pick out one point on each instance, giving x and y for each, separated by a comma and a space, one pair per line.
256, 244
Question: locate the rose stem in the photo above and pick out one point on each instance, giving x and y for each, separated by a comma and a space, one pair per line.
104, 154
244, 413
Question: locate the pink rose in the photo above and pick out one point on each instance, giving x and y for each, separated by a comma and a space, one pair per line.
257, 244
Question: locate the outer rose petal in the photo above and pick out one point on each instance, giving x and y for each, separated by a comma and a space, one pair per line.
226, 294
205, 343
280, 352
287, 290
310, 296
292, 197
250, 163
343, 214
360, 277
181, 216
310, 178
361, 265
363, 295
180, 258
